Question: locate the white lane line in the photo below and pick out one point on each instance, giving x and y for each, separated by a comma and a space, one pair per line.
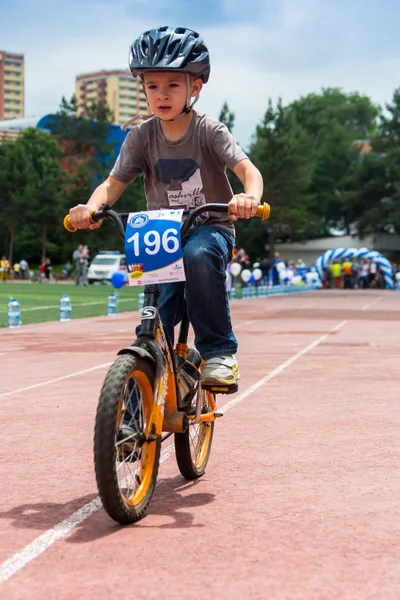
279, 369
307, 305
17, 561
50, 381
367, 306
243, 324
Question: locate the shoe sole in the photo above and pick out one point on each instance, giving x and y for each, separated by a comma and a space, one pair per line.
221, 388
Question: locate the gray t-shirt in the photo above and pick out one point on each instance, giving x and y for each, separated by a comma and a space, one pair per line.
185, 173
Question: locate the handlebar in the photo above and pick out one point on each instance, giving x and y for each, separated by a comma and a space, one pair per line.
263, 211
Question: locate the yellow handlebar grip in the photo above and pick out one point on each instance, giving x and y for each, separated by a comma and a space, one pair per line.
263, 211
68, 226
71, 228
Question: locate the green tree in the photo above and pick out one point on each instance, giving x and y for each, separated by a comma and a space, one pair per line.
282, 154
375, 198
317, 113
46, 205
227, 117
14, 178
32, 185
335, 122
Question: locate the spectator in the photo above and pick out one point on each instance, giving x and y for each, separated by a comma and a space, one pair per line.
17, 270
275, 271
78, 261
265, 266
347, 268
23, 265
363, 281
337, 274
355, 271
47, 269
4, 269
373, 270
42, 269
84, 265
68, 270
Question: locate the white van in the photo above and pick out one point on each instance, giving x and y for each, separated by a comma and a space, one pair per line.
104, 264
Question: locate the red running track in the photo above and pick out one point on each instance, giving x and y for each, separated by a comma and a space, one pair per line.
300, 498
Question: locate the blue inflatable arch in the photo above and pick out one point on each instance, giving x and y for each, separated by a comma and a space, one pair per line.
340, 253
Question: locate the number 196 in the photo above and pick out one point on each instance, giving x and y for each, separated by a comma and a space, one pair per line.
153, 242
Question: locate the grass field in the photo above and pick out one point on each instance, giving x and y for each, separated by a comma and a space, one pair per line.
41, 302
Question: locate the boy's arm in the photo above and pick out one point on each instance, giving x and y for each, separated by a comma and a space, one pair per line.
107, 192
245, 205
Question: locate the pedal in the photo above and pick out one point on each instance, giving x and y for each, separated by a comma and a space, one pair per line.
217, 414
221, 389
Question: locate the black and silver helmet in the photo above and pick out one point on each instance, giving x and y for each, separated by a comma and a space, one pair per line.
179, 49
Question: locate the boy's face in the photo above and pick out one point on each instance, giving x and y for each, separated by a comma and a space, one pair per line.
166, 92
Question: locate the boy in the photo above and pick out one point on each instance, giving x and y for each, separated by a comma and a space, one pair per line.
183, 155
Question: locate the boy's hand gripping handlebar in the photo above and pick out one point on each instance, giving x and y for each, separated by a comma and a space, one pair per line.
69, 227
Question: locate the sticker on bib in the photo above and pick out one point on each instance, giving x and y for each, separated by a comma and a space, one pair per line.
153, 247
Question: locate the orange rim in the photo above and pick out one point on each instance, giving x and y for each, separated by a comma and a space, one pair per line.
145, 464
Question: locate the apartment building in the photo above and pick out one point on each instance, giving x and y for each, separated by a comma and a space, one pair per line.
118, 89
12, 88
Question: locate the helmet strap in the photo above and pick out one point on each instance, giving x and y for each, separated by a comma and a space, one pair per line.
188, 107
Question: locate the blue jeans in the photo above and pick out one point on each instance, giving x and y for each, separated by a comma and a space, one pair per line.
206, 254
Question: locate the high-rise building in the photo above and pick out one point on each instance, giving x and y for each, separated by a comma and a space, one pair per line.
11, 85
118, 89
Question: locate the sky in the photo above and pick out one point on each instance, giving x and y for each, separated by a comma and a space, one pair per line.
259, 49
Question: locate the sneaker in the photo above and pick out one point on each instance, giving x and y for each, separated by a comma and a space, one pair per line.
220, 370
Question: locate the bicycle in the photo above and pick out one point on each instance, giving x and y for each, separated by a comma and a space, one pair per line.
152, 391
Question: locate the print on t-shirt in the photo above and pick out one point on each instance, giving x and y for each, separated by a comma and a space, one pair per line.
183, 177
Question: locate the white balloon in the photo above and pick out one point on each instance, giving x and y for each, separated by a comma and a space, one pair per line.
235, 269
282, 274
296, 279
397, 276
309, 277
245, 275
256, 265
280, 266
257, 273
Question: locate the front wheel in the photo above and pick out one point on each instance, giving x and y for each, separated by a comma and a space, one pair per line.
126, 452
193, 446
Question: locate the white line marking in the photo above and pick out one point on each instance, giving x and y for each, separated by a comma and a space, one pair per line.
17, 561
279, 369
244, 324
50, 381
372, 303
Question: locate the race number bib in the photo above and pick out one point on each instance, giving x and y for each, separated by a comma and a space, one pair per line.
153, 247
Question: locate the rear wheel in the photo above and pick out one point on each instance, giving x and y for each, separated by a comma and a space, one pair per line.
126, 453
193, 446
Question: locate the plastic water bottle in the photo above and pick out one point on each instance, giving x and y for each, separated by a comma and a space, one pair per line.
65, 308
232, 293
112, 305
13, 314
141, 300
